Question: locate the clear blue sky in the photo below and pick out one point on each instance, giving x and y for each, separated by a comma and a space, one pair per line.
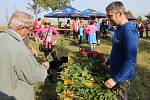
137, 7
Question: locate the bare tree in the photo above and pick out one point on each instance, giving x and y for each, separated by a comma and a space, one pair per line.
34, 7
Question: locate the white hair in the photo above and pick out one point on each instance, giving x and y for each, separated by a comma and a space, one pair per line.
20, 19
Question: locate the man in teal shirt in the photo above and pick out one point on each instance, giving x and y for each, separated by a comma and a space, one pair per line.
122, 60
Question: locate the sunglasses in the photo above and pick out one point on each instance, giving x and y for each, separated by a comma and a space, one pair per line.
46, 23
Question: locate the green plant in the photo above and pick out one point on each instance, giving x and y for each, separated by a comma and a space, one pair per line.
79, 78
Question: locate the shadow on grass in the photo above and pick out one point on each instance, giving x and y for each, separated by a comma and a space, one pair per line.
140, 87
74, 43
144, 45
86, 47
47, 91
106, 41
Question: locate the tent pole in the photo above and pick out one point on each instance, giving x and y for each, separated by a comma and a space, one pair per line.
58, 22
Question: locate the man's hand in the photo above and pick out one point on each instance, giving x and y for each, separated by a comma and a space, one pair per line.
34, 52
46, 64
54, 43
110, 83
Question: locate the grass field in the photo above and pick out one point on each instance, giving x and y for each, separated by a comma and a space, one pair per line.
140, 87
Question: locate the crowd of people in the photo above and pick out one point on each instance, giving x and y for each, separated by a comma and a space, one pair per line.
84, 30
88, 31
142, 27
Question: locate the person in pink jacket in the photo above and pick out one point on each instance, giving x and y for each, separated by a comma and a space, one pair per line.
36, 27
49, 40
50, 43
86, 33
46, 32
75, 27
91, 31
41, 30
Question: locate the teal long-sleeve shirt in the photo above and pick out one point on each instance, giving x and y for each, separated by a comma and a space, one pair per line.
124, 52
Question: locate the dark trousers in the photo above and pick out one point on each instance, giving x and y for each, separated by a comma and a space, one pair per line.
75, 35
66, 33
98, 35
81, 40
141, 32
147, 33
52, 52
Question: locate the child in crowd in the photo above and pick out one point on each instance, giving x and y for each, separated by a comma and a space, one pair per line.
36, 26
91, 30
81, 33
40, 32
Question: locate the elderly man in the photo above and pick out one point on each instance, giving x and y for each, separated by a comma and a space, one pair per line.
19, 70
124, 47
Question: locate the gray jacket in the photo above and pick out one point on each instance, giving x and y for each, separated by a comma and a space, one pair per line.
19, 70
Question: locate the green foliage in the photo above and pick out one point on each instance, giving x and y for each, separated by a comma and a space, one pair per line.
59, 86
85, 83
53, 4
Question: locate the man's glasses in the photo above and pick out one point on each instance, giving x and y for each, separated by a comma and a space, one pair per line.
28, 28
